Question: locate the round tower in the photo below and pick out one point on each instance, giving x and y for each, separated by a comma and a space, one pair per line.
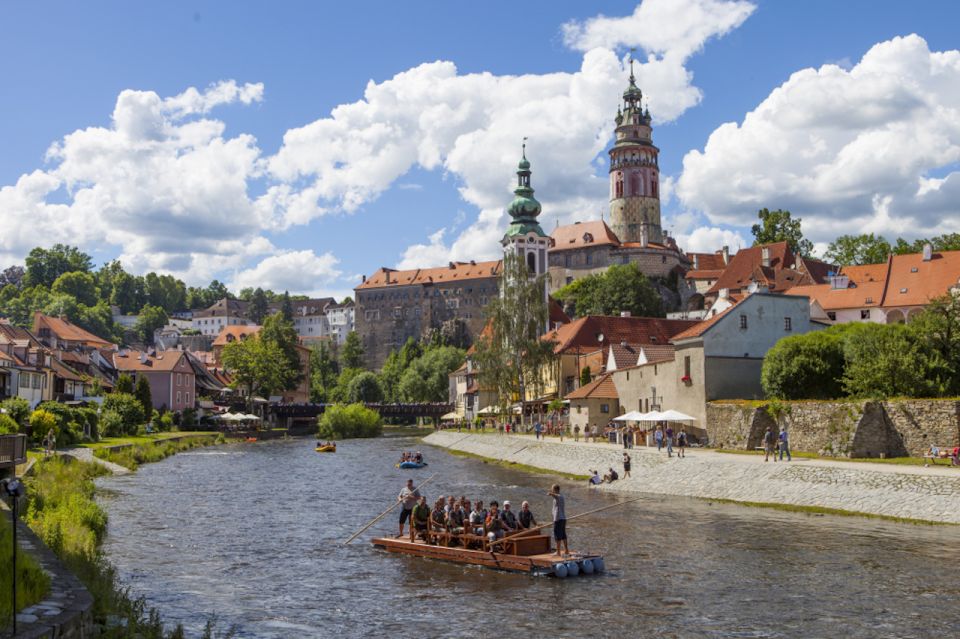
634, 173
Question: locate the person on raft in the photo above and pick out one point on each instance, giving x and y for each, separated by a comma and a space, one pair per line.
493, 526
409, 496
418, 457
508, 518
559, 521
526, 517
420, 521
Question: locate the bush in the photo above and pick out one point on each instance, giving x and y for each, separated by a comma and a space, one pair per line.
354, 420
128, 408
41, 423
111, 424
8, 427
132, 456
805, 367
890, 360
17, 408
165, 423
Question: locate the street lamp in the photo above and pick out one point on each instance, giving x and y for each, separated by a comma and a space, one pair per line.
14, 489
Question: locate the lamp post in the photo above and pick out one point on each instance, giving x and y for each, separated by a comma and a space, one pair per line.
14, 489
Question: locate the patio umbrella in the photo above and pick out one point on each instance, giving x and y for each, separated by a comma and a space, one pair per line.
652, 416
450, 416
676, 416
632, 416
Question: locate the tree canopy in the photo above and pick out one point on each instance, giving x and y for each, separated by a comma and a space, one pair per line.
853, 250
257, 365
351, 353
779, 226
621, 288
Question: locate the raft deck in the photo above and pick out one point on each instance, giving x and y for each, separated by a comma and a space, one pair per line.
528, 553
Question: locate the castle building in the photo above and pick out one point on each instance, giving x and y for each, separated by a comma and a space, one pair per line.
635, 234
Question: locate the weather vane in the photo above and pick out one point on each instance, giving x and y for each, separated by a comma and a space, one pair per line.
524, 147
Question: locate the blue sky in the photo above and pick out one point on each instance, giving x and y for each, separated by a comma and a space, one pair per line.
205, 186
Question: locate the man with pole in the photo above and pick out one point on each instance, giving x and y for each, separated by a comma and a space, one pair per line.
408, 497
559, 521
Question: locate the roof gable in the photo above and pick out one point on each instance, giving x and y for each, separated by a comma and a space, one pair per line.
583, 234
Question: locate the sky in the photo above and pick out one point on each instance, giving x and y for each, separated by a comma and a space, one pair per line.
299, 145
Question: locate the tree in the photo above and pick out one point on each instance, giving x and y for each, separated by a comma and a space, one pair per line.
127, 408
127, 293
779, 226
806, 366
323, 373
17, 408
149, 320
585, 376
142, 392
12, 276
280, 331
41, 423
365, 389
351, 353
257, 310
510, 354
852, 250
887, 360
395, 366
427, 379
621, 288
98, 320
124, 384
948, 242
355, 420
938, 327
44, 266
256, 365
286, 307
216, 292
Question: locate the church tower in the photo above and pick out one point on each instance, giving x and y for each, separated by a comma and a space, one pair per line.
634, 173
524, 237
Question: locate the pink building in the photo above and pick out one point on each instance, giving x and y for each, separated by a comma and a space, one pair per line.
172, 382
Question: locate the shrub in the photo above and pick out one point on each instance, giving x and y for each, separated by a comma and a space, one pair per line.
805, 367
354, 420
128, 408
124, 384
7, 427
111, 424
41, 423
890, 360
132, 456
17, 408
165, 423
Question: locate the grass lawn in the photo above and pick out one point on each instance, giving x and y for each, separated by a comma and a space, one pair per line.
108, 442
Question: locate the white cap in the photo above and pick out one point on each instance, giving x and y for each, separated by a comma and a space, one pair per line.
506, 503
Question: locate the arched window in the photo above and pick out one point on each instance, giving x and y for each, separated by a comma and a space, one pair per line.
618, 185
532, 262
653, 186
635, 184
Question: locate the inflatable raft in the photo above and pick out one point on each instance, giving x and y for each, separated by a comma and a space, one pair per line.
411, 464
326, 449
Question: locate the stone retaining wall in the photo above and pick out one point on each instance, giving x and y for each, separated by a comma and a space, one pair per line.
842, 428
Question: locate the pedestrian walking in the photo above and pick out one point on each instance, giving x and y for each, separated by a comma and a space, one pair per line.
784, 444
626, 465
576, 433
682, 442
668, 436
536, 430
768, 439
658, 437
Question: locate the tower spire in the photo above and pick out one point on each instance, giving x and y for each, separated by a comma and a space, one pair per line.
632, 78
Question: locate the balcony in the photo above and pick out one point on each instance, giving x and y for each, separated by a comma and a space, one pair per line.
13, 450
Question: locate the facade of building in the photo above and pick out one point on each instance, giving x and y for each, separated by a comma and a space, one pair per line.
25, 369
595, 404
341, 320
169, 373
226, 312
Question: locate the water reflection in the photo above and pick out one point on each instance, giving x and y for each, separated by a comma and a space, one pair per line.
253, 534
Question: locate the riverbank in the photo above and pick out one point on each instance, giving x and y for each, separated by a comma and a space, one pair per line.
907, 493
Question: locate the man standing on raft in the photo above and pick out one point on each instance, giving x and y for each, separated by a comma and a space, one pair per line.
409, 496
559, 521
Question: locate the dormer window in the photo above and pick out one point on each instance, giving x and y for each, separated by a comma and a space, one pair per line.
587, 238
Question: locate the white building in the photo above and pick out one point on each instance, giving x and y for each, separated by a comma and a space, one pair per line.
340, 321
226, 312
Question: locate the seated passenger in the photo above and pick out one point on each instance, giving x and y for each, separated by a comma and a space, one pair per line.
508, 518
526, 518
420, 518
438, 517
477, 518
493, 526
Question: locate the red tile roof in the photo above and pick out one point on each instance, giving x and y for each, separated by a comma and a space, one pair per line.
581, 234
707, 261
740, 270
584, 333
453, 272
600, 388
165, 361
913, 282
65, 330
234, 332
658, 353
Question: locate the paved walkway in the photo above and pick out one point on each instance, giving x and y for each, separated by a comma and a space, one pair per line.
913, 492
86, 454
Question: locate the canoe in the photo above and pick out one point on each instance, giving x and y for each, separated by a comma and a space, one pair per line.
326, 449
410, 464
530, 554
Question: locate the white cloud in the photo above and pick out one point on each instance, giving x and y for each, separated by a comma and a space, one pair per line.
707, 239
296, 271
848, 150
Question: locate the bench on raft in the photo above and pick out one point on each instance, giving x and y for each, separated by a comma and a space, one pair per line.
522, 545
941, 452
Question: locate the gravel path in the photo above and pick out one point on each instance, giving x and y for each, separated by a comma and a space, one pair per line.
915, 492
86, 454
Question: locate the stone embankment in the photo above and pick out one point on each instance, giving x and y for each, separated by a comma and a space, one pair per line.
911, 492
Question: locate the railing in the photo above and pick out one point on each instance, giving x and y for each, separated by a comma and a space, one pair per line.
13, 450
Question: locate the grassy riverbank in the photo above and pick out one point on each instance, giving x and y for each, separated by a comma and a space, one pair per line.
32, 583
131, 457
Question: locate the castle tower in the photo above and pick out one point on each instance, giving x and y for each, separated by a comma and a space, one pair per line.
634, 173
524, 237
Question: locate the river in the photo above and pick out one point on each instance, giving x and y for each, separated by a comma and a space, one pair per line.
252, 534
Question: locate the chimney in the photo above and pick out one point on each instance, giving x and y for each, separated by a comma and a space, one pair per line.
724, 292
143, 358
386, 274
452, 265
623, 343
726, 255
927, 252
362, 281
765, 255
624, 313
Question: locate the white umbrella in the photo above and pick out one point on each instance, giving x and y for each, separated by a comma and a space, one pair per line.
652, 416
676, 416
450, 416
632, 416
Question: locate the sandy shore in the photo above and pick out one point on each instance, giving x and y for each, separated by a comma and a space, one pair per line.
911, 492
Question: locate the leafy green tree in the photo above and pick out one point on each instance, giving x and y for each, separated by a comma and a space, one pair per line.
354, 420
256, 365
258, 306
280, 331
127, 293
365, 388
128, 408
81, 285
18, 408
808, 366
44, 266
852, 250
216, 291
938, 328
427, 379
341, 391
947, 242
286, 307
41, 423
141, 391
621, 288
779, 226
511, 356
351, 353
323, 372
887, 360
124, 384
585, 376
395, 365
99, 321
149, 320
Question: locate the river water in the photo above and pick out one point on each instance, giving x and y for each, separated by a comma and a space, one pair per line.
252, 534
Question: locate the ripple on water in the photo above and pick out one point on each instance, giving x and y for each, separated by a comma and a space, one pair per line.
254, 534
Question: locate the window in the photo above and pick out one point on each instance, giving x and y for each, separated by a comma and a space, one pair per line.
788, 323
179, 399
179, 379
743, 322
36, 381
186, 398
566, 260
569, 280
832, 316
686, 366
604, 408
24, 380
589, 259
398, 312
578, 409
865, 314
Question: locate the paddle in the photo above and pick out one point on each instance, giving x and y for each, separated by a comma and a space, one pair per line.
542, 526
384, 513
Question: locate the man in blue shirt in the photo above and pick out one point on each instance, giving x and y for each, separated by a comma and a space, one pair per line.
784, 444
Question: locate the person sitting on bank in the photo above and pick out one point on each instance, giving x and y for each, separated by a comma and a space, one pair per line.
493, 526
420, 521
611, 476
595, 478
526, 518
508, 518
